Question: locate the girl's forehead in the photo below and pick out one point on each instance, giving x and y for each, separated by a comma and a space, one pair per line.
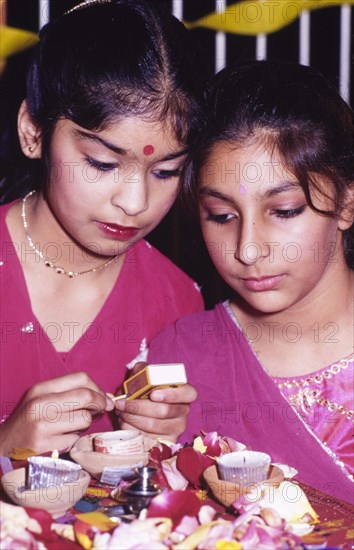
251, 169
254, 146
142, 129
125, 142
136, 122
127, 133
243, 160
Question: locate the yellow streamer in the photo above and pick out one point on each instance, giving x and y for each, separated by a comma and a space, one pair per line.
14, 40
260, 16
97, 519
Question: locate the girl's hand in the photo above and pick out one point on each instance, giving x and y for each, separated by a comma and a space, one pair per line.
163, 415
53, 413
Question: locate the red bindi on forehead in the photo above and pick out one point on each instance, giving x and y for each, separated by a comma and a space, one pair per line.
148, 150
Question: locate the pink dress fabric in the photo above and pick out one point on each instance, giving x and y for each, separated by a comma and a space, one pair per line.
237, 398
325, 401
150, 293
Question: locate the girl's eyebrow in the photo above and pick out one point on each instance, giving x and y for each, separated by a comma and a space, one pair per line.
97, 139
208, 192
175, 155
286, 186
120, 150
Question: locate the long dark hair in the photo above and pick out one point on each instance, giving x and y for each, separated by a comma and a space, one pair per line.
110, 59
297, 112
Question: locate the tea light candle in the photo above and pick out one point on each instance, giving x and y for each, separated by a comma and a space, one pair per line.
243, 467
47, 471
120, 442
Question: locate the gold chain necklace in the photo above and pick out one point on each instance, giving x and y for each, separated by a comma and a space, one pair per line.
47, 262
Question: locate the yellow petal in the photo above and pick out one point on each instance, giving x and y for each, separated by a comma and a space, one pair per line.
198, 445
290, 501
202, 494
197, 537
84, 541
21, 453
97, 519
228, 545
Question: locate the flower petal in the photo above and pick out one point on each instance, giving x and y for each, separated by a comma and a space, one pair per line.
191, 464
211, 441
160, 452
174, 477
174, 505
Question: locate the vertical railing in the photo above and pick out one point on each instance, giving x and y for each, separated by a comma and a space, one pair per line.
304, 38
304, 55
261, 46
177, 9
220, 40
344, 52
43, 13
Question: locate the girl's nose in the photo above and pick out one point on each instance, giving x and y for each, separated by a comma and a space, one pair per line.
131, 194
251, 244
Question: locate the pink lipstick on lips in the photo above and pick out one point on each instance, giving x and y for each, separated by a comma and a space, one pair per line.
119, 232
261, 284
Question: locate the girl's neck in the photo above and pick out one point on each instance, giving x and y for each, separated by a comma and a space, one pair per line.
307, 336
332, 296
49, 241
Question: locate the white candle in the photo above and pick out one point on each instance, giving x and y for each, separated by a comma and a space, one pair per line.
243, 467
120, 442
46, 471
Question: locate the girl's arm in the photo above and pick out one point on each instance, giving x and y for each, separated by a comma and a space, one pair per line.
32, 424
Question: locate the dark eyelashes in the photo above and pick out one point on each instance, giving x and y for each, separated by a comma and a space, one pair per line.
107, 167
223, 219
218, 218
102, 166
165, 174
291, 213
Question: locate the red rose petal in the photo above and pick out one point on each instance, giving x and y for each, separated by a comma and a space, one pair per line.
174, 505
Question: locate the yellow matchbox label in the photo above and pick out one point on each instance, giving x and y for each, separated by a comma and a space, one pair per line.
152, 377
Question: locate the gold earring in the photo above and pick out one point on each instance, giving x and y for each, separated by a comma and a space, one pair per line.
31, 149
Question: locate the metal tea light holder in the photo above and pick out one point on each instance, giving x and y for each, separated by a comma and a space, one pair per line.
141, 491
143, 486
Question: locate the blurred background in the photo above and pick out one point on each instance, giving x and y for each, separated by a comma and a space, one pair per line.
313, 32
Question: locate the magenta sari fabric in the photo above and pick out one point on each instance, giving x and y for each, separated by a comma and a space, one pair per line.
150, 293
237, 398
325, 401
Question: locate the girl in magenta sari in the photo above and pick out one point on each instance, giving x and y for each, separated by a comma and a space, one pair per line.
113, 95
272, 176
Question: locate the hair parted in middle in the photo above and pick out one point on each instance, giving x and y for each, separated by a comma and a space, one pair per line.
114, 59
105, 60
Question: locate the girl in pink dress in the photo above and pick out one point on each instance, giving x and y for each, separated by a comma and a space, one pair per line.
272, 176
113, 95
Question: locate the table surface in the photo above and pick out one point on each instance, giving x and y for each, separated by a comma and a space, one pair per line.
336, 517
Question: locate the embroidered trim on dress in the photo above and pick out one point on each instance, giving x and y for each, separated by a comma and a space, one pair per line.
343, 363
319, 377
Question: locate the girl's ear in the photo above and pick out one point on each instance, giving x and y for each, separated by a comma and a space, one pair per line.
346, 218
29, 133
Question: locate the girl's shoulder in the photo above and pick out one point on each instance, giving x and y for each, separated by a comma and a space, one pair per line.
4, 210
155, 264
342, 367
212, 324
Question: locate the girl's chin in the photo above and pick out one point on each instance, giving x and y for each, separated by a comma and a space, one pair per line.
261, 306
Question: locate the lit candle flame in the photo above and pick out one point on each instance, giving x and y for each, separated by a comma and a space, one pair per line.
55, 454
